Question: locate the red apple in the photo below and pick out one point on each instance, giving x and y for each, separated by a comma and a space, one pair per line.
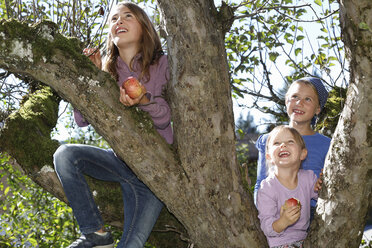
291, 202
132, 87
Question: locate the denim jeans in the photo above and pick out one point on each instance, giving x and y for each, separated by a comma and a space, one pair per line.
141, 206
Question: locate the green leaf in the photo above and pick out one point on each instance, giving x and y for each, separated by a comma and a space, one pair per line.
6, 191
33, 242
300, 37
332, 58
320, 59
318, 2
297, 51
273, 56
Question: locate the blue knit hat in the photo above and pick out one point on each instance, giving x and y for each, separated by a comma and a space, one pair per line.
321, 90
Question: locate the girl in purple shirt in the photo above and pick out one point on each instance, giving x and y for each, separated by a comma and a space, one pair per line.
134, 50
286, 226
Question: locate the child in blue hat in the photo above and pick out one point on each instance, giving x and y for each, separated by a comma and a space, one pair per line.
304, 101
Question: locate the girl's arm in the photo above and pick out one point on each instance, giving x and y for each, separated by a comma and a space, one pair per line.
261, 163
318, 184
157, 106
159, 110
267, 211
79, 119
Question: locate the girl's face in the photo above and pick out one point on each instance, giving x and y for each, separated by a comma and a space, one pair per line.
125, 29
302, 102
284, 150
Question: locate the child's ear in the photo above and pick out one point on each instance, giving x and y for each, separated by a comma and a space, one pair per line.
317, 112
303, 154
268, 157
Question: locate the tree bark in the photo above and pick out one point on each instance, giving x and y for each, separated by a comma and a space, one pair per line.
346, 195
202, 113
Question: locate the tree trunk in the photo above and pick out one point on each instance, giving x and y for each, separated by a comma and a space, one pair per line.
346, 195
220, 212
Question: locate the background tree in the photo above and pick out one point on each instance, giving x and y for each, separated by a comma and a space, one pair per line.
202, 168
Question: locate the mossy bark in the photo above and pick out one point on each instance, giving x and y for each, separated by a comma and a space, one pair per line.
26, 137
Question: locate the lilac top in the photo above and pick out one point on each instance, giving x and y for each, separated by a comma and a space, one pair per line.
272, 195
317, 148
158, 108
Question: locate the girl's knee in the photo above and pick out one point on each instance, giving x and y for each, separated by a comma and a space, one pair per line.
61, 155
59, 152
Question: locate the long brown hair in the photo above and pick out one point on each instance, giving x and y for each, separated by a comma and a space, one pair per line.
150, 48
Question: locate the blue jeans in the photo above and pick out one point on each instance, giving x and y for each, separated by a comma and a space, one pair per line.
141, 206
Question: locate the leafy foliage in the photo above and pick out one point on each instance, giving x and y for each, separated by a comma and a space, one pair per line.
245, 128
270, 46
31, 217
330, 115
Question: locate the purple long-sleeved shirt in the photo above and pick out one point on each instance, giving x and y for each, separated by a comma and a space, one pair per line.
158, 108
272, 195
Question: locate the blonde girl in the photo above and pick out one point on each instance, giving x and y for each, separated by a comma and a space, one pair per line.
285, 225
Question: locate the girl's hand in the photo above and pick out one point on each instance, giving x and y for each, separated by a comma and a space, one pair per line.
318, 184
94, 55
290, 215
127, 101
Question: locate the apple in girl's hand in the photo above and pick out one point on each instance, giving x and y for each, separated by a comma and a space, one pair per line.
291, 202
132, 87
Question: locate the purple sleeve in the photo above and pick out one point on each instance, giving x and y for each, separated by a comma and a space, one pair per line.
79, 119
159, 110
267, 211
158, 107
261, 163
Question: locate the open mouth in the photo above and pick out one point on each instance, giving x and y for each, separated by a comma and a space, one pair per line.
283, 154
296, 111
121, 30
